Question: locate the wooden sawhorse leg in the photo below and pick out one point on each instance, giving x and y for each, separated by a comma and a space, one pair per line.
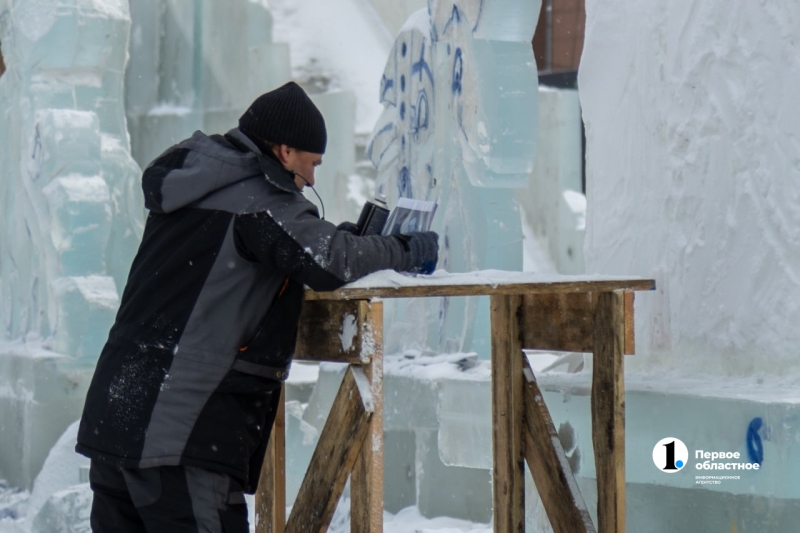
601, 323
608, 410
271, 493
508, 476
351, 443
366, 481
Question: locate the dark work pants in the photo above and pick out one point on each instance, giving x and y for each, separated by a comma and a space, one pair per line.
175, 499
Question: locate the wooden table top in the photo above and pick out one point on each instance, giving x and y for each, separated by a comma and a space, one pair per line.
391, 284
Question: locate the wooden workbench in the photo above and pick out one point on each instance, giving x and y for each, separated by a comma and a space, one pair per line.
528, 311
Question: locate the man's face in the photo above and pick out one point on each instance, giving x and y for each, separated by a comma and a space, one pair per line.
301, 163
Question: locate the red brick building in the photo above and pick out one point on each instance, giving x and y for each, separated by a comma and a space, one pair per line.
558, 41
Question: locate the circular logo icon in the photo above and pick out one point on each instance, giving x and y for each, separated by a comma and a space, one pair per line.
670, 455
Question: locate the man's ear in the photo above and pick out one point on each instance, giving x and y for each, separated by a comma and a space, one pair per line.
285, 151
281, 151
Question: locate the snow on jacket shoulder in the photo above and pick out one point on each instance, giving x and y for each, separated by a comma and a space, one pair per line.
208, 319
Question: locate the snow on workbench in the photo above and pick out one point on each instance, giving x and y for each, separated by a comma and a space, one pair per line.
492, 278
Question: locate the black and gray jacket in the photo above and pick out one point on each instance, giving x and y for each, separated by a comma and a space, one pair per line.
207, 324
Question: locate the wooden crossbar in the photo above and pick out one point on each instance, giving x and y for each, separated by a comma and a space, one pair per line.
548, 464
564, 322
338, 322
478, 284
335, 455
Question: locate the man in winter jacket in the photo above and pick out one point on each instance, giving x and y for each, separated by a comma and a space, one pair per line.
180, 409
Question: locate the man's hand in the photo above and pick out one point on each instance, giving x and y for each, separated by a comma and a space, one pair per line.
424, 249
349, 227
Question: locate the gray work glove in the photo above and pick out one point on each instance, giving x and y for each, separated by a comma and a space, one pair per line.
424, 249
349, 227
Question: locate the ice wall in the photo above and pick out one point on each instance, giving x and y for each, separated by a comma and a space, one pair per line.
71, 210
552, 202
337, 46
693, 176
199, 65
70, 213
459, 123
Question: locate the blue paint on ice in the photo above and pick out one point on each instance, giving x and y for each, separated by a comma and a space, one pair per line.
458, 71
755, 448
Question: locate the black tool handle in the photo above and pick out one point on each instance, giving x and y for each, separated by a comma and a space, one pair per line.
372, 219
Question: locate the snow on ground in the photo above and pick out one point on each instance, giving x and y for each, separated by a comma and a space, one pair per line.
61, 472
12, 504
408, 520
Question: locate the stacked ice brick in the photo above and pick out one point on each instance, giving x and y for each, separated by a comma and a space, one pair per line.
196, 66
71, 212
199, 65
71, 205
459, 126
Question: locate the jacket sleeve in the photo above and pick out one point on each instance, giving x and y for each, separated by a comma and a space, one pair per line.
291, 238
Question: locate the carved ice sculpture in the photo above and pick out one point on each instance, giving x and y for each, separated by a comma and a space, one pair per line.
69, 189
199, 65
459, 126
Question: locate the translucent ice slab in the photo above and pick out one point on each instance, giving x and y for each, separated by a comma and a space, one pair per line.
459, 126
197, 65
72, 212
554, 206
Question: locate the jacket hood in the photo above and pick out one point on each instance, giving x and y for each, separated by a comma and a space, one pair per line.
202, 165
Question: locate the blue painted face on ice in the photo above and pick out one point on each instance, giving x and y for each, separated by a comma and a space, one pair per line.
460, 108
465, 69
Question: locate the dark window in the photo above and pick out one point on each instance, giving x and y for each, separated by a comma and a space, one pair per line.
2, 64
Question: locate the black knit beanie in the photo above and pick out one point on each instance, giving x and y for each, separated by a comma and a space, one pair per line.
287, 116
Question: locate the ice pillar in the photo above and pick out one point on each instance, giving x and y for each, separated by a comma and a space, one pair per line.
459, 126
71, 213
198, 65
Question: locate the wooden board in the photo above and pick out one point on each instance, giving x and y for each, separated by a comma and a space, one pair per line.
508, 482
366, 482
271, 493
478, 283
327, 328
564, 322
548, 464
630, 337
608, 411
334, 457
